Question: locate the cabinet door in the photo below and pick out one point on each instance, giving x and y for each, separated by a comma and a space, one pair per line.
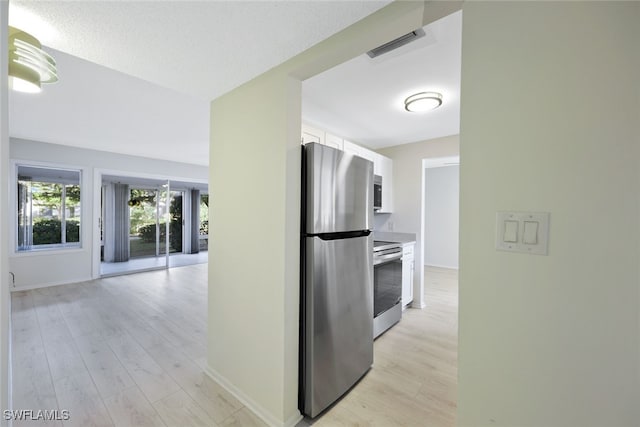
412, 270
350, 147
408, 264
386, 171
333, 141
372, 156
311, 134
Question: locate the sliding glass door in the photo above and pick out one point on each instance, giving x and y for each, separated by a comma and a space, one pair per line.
176, 226
133, 225
145, 230
148, 224
203, 239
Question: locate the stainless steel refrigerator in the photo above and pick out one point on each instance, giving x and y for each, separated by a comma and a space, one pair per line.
336, 313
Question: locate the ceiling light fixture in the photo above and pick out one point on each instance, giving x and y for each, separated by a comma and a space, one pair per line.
423, 101
29, 65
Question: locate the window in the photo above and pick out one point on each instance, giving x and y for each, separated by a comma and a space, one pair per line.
48, 208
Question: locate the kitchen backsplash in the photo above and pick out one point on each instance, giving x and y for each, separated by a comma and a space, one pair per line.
383, 222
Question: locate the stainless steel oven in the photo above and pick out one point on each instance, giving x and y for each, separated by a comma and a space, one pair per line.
387, 285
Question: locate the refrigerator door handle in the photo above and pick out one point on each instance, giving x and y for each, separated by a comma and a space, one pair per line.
341, 235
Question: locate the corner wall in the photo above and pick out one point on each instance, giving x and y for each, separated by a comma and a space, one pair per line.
250, 167
550, 122
5, 297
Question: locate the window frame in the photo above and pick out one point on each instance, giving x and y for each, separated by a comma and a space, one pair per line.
55, 247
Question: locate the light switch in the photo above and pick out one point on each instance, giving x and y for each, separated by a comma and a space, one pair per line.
525, 232
510, 232
530, 233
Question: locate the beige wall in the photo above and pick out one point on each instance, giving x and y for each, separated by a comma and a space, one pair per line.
254, 240
4, 209
251, 318
407, 192
550, 113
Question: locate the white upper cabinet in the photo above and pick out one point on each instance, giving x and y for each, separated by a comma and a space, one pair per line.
350, 147
311, 134
382, 165
333, 141
386, 171
357, 150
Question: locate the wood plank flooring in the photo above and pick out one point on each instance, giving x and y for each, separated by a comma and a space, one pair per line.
130, 351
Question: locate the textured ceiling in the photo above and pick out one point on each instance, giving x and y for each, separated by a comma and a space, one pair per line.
200, 48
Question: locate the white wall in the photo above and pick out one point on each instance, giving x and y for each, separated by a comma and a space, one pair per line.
407, 194
551, 122
442, 190
35, 269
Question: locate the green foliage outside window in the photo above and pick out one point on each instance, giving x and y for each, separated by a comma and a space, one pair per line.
204, 214
48, 207
48, 231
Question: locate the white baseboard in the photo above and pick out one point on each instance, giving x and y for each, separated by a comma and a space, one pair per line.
252, 405
448, 267
48, 284
417, 304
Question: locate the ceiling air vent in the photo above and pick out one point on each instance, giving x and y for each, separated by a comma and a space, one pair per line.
394, 44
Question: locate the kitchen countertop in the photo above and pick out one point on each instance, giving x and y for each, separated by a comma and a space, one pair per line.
389, 236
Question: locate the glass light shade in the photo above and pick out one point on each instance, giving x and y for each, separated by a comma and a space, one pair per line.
423, 101
29, 65
22, 85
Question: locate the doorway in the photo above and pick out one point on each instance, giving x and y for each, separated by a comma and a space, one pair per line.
440, 212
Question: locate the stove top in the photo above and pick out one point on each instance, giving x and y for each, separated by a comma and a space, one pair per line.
381, 245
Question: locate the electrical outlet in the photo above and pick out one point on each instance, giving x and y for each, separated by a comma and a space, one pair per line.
390, 225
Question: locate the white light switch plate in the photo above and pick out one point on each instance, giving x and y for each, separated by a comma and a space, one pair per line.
537, 244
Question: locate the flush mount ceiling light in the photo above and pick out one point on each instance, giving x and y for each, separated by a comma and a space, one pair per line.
29, 65
423, 101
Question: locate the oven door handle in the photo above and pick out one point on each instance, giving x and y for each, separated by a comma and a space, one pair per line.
386, 258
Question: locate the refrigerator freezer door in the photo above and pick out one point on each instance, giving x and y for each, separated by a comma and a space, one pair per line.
339, 189
338, 314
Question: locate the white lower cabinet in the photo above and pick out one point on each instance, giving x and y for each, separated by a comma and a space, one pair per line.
408, 267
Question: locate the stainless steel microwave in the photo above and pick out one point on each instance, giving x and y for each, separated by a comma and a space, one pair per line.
377, 192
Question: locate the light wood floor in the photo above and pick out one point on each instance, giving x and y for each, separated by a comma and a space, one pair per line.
413, 381
130, 351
